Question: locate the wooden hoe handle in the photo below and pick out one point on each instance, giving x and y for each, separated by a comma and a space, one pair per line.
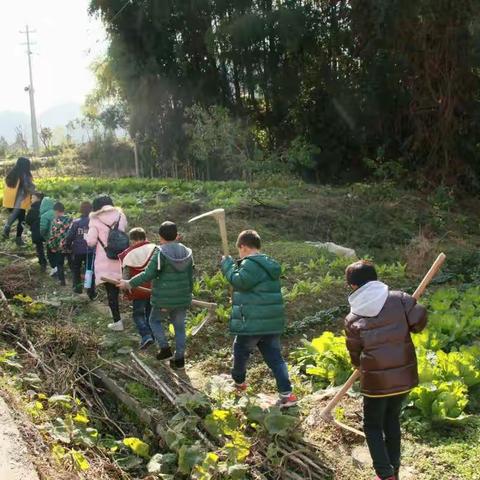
196, 303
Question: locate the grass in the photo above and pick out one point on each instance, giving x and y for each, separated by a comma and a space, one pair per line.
377, 220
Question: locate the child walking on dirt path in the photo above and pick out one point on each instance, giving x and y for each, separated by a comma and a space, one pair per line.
56, 241
378, 330
104, 218
258, 314
82, 255
134, 261
17, 197
33, 221
171, 273
47, 215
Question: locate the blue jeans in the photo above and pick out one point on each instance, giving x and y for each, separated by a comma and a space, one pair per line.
270, 348
176, 317
141, 314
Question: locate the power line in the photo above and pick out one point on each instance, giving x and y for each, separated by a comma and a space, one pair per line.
31, 91
121, 10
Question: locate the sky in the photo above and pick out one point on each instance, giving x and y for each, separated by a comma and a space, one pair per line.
67, 42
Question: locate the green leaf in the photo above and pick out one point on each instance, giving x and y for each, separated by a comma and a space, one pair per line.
162, 463
173, 439
188, 457
255, 413
61, 430
192, 402
278, 424
130, 462
138, 447
237, 472
63, 400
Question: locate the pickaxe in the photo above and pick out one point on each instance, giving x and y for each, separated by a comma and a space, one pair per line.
196, 303
219, 216
326, 413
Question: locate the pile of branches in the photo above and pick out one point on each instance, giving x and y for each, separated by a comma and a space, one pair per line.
16, 275
52, 344
67, 360
300, 460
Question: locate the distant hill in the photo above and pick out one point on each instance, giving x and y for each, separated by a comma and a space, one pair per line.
57, 116
60, 115
10, 120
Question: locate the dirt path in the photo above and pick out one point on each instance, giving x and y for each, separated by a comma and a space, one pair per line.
15, 463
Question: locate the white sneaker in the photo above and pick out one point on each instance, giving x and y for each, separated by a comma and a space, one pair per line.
116, 326
53, 271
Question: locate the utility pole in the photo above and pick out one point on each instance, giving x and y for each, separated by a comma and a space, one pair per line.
31, 91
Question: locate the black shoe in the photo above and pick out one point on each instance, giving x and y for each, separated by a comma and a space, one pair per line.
6, 233
19, 242
43, 268
78, 290
177, 363
164, 353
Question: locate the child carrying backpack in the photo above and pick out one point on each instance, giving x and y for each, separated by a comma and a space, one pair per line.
135, 260
82, 255
107, 226
56, 249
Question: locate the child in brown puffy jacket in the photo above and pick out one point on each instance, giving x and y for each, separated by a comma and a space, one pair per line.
378, 331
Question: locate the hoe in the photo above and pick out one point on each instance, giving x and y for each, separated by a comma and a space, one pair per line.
326, 413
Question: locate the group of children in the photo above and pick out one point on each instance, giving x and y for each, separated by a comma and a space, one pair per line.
63, 239
158, 279
378, 327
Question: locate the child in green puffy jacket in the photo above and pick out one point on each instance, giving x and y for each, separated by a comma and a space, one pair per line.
258, 313
171, 272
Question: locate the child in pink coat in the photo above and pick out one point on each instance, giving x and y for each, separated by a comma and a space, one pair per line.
104, 216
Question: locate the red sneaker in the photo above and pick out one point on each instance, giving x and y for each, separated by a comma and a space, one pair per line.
286, 401
240, 388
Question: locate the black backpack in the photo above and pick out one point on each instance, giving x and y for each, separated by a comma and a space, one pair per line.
117, 241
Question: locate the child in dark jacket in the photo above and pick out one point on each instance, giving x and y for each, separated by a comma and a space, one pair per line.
82, 256
258, 313
56, 242
33, 221
378, 332
171, 273
135, 260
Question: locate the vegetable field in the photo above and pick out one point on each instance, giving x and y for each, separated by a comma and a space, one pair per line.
194, 426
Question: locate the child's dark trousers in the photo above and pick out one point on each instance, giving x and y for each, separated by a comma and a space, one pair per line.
381, 424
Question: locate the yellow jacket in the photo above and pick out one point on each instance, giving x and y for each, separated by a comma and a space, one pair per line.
10, 195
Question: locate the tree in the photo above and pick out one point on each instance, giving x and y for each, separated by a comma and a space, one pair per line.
3, 147
20, 144
46, 136
351, 78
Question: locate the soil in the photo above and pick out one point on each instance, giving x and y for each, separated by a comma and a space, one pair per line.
15, 463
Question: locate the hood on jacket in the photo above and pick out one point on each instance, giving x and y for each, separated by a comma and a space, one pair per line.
368, 300
271, 266
46, 205
138, 256
177, 254
107, 209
